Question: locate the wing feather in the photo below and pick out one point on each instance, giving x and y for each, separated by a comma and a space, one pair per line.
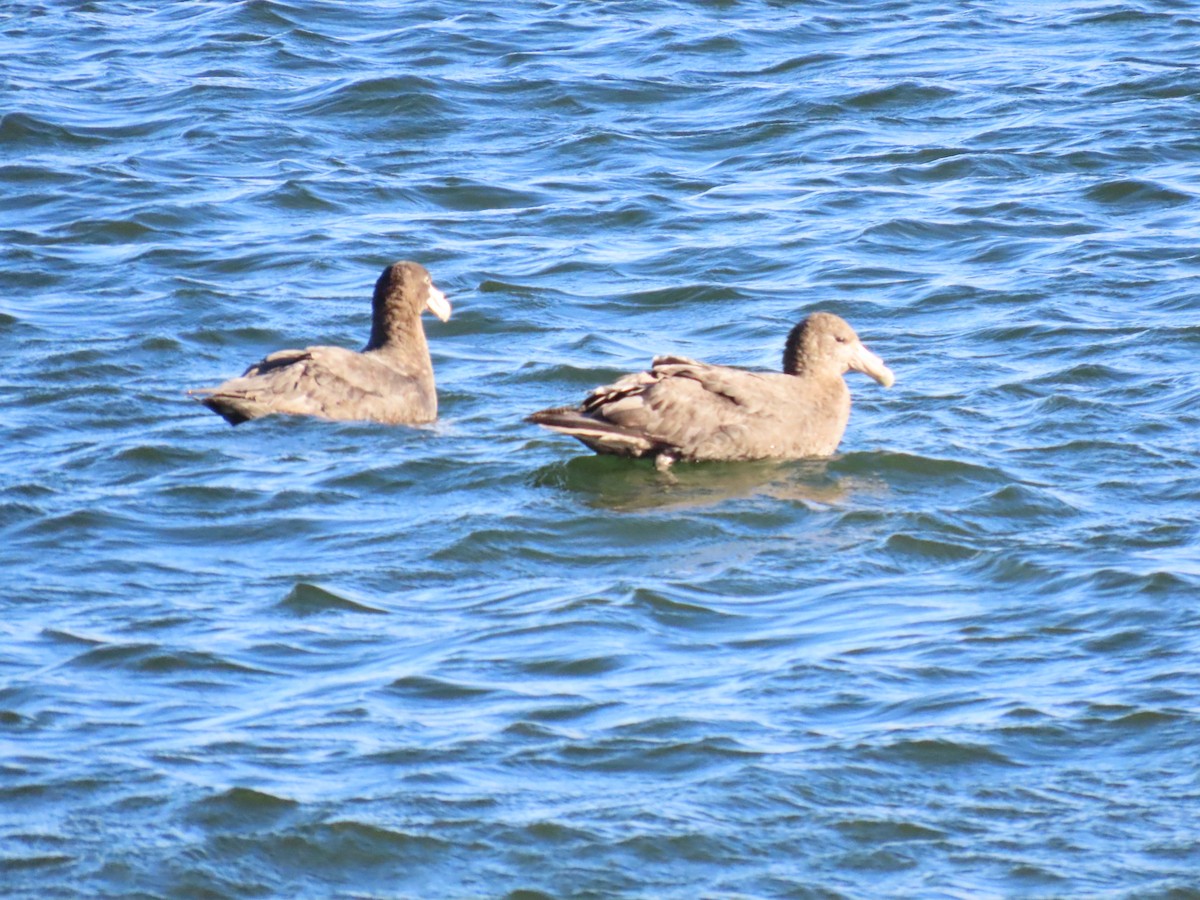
323, 381
678, 406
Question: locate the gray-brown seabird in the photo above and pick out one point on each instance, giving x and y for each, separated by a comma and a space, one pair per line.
682, 409
389, 381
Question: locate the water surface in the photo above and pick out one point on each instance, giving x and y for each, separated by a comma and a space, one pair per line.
300, 658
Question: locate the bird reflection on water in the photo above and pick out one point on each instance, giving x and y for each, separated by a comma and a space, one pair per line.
623, 485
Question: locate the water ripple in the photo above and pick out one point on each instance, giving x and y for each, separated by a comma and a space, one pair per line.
304, 658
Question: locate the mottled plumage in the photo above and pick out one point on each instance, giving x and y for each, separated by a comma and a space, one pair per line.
682, 409
390, 381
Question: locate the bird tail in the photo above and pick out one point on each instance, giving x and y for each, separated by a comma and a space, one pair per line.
601, 436
233, 408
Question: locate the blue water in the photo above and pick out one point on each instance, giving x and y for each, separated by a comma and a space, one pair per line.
311, 659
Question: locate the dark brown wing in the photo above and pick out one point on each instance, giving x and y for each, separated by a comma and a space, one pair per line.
329, 382
680, 407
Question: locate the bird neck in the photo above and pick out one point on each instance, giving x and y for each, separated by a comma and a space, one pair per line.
793, 353
801, 362
402, 340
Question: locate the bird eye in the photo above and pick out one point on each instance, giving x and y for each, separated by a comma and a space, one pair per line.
840, 339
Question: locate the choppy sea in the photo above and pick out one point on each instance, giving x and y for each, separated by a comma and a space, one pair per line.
960, 659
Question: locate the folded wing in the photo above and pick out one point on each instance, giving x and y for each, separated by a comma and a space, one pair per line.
680, 407
328, 382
